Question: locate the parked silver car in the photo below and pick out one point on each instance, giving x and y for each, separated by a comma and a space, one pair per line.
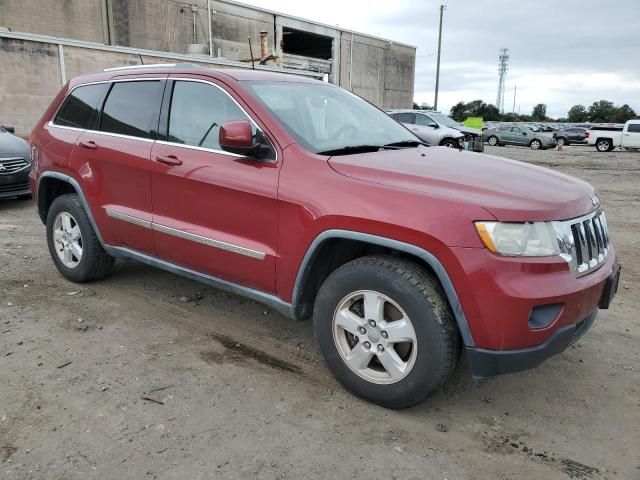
428, 129
518, 135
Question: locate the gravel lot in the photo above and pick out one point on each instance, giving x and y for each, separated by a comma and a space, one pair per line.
148, 375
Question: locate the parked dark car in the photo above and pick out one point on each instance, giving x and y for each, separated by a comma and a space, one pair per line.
517, 135
15, 165
570, 135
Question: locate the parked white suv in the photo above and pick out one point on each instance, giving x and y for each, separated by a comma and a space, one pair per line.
607, 140
428, 129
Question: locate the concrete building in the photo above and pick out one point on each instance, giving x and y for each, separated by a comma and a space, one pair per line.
45, 42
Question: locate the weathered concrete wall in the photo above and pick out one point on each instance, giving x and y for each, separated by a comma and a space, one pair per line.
78, 19
33, 81
382, 72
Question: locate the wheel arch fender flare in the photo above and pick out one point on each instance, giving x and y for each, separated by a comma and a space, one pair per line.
76, 186
428, 257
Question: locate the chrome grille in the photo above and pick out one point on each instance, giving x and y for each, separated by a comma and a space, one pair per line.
12, 165
584, 241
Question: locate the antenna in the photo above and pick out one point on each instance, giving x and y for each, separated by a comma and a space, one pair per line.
503, 67
251, 53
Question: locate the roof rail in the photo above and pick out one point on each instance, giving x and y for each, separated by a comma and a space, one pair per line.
154, 65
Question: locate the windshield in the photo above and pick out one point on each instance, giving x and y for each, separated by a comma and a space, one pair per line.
325, 118
444, 120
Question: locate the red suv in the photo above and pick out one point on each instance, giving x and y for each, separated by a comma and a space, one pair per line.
303, 196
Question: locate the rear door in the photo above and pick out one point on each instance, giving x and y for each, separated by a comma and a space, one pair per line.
214, 212
114, 160
631, 135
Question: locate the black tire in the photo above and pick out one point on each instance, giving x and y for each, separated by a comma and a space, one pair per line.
535, 144
493, 140
449, 143
604, 145
562, 141
95, 262
421, 297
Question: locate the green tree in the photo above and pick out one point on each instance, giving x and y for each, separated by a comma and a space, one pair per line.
624, 113
602, 111
539, 112
476, 108
577, 114
422, 106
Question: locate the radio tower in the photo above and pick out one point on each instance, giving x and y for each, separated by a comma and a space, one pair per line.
503, 66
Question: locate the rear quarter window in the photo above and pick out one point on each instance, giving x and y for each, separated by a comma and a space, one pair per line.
80, 108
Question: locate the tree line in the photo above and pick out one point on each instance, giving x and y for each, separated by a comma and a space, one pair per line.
602, 111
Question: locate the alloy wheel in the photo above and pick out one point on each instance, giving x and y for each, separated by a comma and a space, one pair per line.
67, 239
374, 337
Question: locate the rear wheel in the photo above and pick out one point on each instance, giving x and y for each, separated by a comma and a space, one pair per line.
604, 145
535, 144
73, 244
493, 140
386, 330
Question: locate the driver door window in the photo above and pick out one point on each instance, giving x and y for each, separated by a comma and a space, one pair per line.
196, 113
424, 120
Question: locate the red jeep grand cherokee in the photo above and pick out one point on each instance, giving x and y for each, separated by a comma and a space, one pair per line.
303, 196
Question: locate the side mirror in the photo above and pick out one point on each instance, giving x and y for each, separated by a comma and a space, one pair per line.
524, 133
9, 129
434, 125
237, 137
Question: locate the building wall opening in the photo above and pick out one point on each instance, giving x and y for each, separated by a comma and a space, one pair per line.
298, 42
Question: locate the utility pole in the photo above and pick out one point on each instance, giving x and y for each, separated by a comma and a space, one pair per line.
515, 89
435, 101
503, 66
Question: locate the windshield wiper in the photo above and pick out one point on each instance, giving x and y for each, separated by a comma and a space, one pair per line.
351, 149
406, 143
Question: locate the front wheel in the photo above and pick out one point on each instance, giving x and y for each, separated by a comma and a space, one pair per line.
73, 244
449, 143
604, 145
386, 330
535, 144
493, 140
562, 141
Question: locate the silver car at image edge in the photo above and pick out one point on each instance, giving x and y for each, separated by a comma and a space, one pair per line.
15, 164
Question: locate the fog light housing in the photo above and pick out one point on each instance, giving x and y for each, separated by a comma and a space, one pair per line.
544, 315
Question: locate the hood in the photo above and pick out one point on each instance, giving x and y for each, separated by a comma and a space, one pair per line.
12, 146
469, 130
510, 190
451, 132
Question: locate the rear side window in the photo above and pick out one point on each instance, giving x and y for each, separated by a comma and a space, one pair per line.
132, 108
634, 128
405, 117
196, 113
80, 109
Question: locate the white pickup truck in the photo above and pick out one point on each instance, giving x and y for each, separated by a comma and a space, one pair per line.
607, 140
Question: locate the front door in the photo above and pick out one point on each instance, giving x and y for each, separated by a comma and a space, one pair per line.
631, 136
214, 212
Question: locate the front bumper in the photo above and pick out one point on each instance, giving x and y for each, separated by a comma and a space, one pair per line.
489, 363
15, 184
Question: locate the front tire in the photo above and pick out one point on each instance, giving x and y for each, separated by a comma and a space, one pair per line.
449, 143
492, 140
562, 141
386, 330
73, 244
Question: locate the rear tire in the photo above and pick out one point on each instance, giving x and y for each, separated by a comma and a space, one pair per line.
402, 292
73, 244
604, 145
535, 144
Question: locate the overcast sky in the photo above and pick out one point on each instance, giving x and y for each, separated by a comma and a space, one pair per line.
562, 52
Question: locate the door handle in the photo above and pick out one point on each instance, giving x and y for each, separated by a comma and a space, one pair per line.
170, 160
90, 145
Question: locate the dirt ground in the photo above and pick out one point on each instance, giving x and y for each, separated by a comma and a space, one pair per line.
148, 375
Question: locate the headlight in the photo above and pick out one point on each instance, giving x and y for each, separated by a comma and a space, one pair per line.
534, 239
